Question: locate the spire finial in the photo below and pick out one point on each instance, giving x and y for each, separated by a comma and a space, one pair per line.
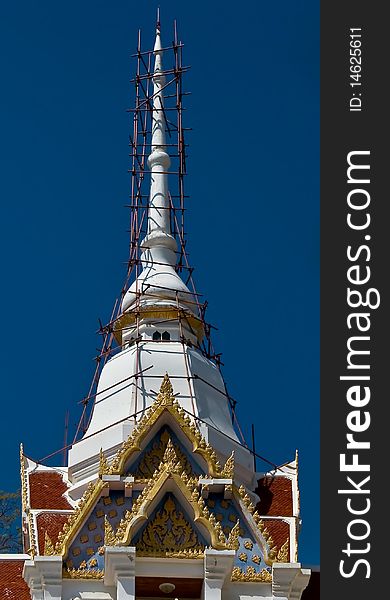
158, 24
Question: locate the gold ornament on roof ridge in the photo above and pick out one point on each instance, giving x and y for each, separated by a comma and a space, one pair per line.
23, 477
49, 548
269, 547
228, 470
283, 554
104, 467
251, 575
32, 551
232, 541
109, 535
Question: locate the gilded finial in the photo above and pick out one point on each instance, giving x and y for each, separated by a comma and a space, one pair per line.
233, 542
104, 467
109, 535
165, 395
228, 470
49, 548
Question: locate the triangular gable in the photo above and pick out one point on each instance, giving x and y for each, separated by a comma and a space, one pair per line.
213, 511
169, 532
144, 466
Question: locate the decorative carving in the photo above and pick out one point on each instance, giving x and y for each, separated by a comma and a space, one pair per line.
233, 542
269, 546
104, 467
165, 395
76, 519
83, 573
188, 487
248, 544
283, 555
251, 575
32, 551
256, 559
165, 401
152, 459
109, 535
169, 532
49, 548
23, 477
228, 470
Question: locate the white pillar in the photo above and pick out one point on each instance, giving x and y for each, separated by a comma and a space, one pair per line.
289, 580
218, 565
44, 577
119, 571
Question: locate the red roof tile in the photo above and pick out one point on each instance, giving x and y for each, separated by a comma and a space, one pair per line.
275, 495
46, 491
52, 523
279, 530
12, 584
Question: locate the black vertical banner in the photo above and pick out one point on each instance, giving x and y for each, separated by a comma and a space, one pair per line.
355, 257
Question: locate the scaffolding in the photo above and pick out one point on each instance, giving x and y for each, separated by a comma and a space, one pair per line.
140, 148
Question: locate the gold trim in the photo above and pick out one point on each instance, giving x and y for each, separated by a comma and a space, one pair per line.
109, 535
228, 470
49, 548
23, 477
155, 312
170, 468
251, 575
32, 551
283, 555
76, 519
104, 467
269, 547
166, 402
83, 574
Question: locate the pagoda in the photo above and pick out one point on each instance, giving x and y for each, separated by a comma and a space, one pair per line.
159, 497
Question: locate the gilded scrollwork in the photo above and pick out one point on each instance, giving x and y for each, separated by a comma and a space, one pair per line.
104, 467
169, 532
251, 575
75, 520
48, 548
166, 401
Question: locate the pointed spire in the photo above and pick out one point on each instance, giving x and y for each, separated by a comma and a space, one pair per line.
158, 281
159, 227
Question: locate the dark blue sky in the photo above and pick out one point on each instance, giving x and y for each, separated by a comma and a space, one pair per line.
252, 223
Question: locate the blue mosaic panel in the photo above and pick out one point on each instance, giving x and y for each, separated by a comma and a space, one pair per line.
87, 550
138, 467
227, 513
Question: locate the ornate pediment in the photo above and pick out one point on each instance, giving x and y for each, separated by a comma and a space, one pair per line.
169, 532
162, 504
165, 403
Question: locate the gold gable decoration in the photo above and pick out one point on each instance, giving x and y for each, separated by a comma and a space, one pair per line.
76, 519
166, 401
152, 459
170, 468
48, 548
269, 547
160, 539
251, 575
